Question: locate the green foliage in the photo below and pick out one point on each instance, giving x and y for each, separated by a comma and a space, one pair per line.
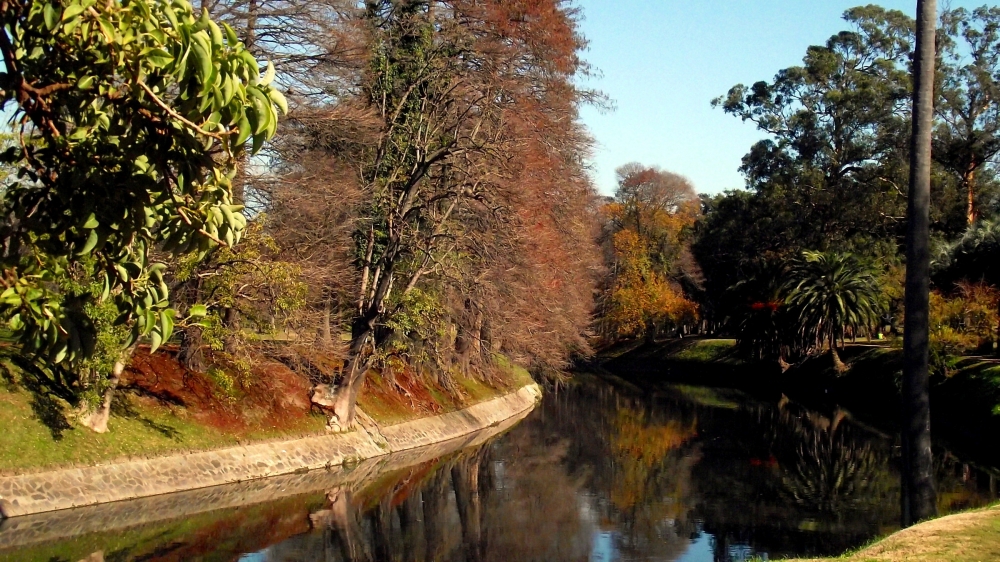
131, 118
975, 256
420, 326
837, 127
792, 308
250, 278
831, 292
420, 315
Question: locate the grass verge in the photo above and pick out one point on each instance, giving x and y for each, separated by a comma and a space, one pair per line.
973, 536
38, 438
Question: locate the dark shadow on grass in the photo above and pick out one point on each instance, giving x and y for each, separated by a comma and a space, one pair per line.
122, 406
51, 414
49, 388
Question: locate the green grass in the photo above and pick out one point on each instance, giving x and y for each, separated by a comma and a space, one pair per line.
706, 351
518, 374
145, 430
964, 537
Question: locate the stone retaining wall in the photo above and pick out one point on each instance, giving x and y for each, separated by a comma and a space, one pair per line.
68, 488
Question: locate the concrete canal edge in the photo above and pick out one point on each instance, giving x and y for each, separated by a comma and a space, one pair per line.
68, 488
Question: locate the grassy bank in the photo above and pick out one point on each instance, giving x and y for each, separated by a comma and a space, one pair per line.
973, 536
163, 409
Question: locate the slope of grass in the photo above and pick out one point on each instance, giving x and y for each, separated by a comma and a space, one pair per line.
42, 434
973, 536
707, 350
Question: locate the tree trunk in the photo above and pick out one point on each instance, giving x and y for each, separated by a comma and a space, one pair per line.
97, 420
231, 321
325, 329
838, 365
969, 181
191, 354
918, 495
652, 331
346, 393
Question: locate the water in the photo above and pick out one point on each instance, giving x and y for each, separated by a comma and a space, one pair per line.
594, 474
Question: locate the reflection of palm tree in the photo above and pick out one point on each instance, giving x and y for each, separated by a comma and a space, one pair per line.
825, 466
832, 292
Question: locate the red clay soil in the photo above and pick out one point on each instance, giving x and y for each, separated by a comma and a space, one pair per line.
277, 397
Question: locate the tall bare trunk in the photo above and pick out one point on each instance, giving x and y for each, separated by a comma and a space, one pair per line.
918, 497
838, 364
231, 320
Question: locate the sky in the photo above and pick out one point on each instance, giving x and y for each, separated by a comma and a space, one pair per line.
663, 61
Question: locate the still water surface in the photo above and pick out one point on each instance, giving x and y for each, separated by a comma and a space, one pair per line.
595, 473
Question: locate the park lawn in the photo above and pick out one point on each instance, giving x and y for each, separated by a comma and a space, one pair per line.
973, 536
707, 350
37, 437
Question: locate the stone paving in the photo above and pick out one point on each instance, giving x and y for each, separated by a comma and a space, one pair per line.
68, 488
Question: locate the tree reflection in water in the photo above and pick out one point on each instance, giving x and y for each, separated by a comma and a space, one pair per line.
601, 473
827, 464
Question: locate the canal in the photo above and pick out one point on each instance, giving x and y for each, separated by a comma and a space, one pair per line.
596, 473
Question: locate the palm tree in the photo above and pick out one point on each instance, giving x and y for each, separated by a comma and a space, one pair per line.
918, 499
829, 292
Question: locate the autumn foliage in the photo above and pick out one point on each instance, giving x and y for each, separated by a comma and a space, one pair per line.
649, 224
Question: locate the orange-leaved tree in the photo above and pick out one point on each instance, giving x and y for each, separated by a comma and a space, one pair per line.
650, 222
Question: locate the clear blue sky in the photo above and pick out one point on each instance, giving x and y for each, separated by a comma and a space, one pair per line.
663, 61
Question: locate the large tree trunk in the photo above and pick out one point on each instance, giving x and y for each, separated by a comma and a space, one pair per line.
918, 495
838, 365
355, 368
231, 320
